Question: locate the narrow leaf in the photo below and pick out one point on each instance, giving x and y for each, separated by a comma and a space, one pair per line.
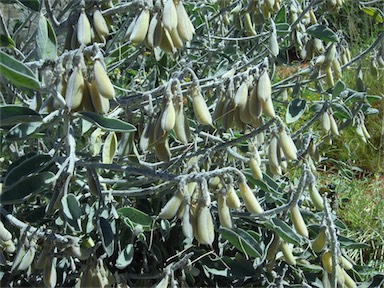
45, 40
136, 216
17, 72
12, 114
24, 189
241, 240
31, 165
322, 32
72, 211
284, 231
108, 236
105, 123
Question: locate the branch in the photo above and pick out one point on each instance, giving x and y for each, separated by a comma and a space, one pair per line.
37, 232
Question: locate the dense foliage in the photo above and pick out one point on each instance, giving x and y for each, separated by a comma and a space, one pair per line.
148, 143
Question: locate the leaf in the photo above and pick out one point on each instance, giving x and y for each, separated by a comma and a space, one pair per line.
17, 72
316, 107
26, 188
136, 216
241, 240
322, 32
45, 40
295, 109
6, 41
284, 231
373, 12
339, 87
350, 243
31, 165
109, 148
107, 235
125, 257
356, 97
72, 211
31, 4
23, 130
110, 124
341, 110
11, 115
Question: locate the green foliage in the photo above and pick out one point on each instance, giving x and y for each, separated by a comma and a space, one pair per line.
140, 160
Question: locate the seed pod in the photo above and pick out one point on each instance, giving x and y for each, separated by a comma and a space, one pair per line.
166, 42
162, 149
50, 274
315, 196
333, 124
184, 25
325, 121
83, 29
5, 235
359, 131
19, 256
168, 116
8, 246
318, 46
337, 69
75, 88
109, 148
200, 107
103, 83
86, 103
248, 25
219, 108
151, 34
286, 143
250, 201
287, 250
169, 15
233, 200
27, 260
312, 17
298, 221
228, 113
223, 211
365, 131
170, 209
205, 227
329, 76
273, 247
268, 108
346, 264
181, 127
319, 242
348, 281
140, 29
177, 41
326, 260
272, 153
99, 103
186, 222
255, 104
255, 168
100, 24
264, 89
330, 54
241, 95
273, 44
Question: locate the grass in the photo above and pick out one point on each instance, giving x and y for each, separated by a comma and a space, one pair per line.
361, 208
